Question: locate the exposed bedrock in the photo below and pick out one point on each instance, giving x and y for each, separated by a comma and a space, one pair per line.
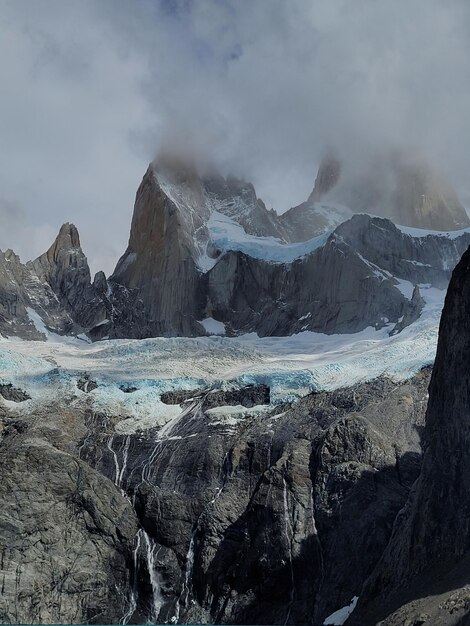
274, 517
425, 571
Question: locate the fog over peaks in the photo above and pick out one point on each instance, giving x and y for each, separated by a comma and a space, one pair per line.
94, 90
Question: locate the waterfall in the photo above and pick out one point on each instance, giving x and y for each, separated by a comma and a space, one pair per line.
151, 553
133, 596
151, 550
116, 462
188, 575
125, 456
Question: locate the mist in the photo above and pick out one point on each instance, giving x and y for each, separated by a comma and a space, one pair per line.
92, 91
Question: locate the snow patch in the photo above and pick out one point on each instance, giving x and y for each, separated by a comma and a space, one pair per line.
226, 234
37, 321
213, 327
405, 287
421, 232
339, 617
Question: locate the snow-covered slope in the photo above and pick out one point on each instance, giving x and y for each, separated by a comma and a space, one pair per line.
227, 234
291, 366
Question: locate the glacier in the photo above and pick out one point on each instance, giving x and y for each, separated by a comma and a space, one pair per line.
291, 366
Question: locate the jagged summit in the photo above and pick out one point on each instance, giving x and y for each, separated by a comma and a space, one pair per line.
204, 246
68, 234
328, 176
396, 185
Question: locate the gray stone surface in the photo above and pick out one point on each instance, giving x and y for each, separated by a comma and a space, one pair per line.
66, 532
272, 518
64, 268
161, 286
425, 569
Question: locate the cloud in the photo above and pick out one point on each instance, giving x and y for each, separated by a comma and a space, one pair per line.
262, 89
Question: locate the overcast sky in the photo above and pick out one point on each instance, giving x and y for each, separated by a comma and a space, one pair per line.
90, 90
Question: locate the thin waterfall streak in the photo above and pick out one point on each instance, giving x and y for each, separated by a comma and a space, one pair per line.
116, 462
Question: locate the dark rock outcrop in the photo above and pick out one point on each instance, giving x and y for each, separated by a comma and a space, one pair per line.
412, 312
248, 396
86, 384
13, 394
65, 268
425, 568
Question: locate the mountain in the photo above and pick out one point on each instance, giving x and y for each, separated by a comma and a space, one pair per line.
282, 473
206, 248
423, 574
233, 510
395, 185
65, 269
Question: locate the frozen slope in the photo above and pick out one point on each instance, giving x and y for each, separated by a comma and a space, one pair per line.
226, 234
291, 366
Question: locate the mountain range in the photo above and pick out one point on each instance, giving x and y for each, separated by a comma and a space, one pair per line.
244, 423
206, 248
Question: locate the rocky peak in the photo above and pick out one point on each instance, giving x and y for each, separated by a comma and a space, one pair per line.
161, 257
327, 176
100, 283
64, 252
68, 237
10, 255
396, 185
64, 267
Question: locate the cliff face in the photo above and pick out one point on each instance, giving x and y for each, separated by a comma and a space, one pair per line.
272, 515
347, 284
427, 558
161, 258
64, 267
54, 293
184, 269
65, 534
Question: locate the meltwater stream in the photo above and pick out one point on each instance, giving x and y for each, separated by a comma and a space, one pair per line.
143, 543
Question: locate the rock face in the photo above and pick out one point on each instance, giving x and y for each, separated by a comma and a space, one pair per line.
275, 517
65, 268
397, 186
55, 294
424, 571
20, 290
269, 515
344, 286
161, 258
66, 532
